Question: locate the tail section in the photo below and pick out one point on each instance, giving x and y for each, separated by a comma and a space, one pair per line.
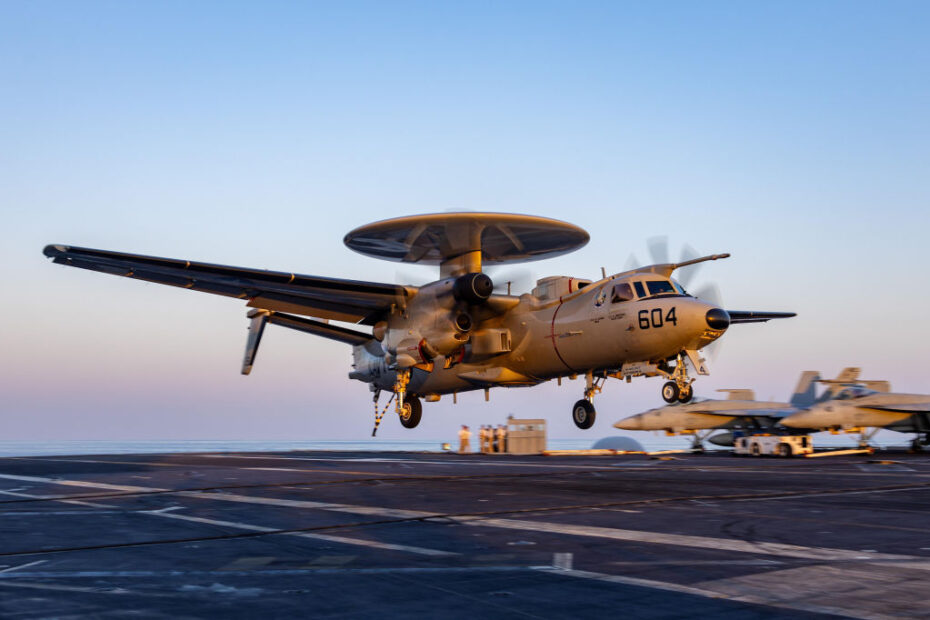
805, 394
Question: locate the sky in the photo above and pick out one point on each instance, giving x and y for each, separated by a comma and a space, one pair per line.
794, 135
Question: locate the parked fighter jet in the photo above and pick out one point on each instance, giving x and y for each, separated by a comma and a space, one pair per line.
740, 412
865, 407
456, 334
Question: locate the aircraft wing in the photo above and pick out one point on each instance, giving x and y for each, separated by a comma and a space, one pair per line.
328, 298
751, 316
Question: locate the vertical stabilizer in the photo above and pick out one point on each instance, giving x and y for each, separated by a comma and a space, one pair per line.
805, 394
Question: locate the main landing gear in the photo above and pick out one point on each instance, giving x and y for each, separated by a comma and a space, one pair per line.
408, 407
679, 388
583, 413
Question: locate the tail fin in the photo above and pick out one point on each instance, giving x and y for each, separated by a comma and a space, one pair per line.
805, 394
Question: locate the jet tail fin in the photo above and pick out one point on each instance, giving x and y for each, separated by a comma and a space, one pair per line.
805, 394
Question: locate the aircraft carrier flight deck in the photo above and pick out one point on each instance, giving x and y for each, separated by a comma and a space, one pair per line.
388, 534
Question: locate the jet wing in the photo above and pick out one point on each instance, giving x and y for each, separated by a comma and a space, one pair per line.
750, 316
328, 298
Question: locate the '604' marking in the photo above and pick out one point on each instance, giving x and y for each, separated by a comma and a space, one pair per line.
654, 319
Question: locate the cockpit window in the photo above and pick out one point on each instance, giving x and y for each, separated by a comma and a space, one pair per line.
679, 288
853, 392
640, 291
622, 292
661, 287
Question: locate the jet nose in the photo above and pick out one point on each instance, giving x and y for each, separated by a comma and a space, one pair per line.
633, 423
717, 318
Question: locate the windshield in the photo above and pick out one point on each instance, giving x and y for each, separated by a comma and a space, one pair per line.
622, 292
661, 287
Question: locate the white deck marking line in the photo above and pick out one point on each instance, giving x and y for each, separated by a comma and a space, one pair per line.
681, 540
338, 539
702, 542
681, 589
376, 511
82, 483
15, 568
63, 501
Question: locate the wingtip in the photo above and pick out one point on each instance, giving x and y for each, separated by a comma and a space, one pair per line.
54, 250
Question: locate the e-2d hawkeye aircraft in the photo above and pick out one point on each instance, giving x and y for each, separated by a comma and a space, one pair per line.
865, 407
456, 334
740, 411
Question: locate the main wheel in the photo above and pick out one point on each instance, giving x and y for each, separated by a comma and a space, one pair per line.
411, 412
670, 392
685, 394
583, 414
784, 450
754, 450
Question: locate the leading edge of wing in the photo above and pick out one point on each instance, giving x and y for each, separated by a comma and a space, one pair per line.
359, 299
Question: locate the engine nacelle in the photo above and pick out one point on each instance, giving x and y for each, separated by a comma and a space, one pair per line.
436, 322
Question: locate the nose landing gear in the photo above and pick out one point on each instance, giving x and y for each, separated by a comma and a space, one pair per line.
679, 388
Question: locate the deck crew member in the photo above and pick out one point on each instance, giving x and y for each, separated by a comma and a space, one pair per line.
464, 437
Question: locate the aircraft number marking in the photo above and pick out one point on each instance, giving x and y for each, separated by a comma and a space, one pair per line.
653, 318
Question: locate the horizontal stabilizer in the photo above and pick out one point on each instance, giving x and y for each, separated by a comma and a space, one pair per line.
319, 328
739, 394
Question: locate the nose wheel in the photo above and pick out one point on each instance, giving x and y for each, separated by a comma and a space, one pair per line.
679, 388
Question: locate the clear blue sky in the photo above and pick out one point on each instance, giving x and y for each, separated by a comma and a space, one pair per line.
795, 135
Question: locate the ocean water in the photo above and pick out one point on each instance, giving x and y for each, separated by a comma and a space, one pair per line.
649, 441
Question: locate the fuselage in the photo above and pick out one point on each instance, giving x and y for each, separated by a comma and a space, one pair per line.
860, 408
562, 330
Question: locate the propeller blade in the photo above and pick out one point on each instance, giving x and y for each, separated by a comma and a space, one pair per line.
711, 294
521, 280
686, 274
413, 278
631, 263
658, 249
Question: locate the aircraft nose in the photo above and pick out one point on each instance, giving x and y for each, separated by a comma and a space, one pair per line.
633, 423
797, 420
717, 318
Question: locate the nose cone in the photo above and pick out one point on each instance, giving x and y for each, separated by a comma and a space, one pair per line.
797, 420
633, 423
717, 318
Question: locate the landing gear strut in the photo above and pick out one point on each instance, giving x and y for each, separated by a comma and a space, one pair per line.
679, 388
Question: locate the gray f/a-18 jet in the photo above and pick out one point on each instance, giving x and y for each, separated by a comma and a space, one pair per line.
457, 333
865, 407
740, 411
848, 405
